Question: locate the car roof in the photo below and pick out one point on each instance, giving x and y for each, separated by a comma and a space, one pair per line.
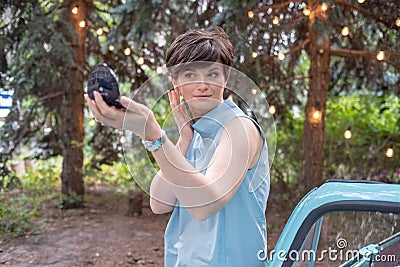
336, 195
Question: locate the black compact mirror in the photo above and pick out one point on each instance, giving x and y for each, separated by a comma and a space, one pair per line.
104, 80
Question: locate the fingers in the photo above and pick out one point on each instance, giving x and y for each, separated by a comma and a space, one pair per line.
103, 108
95, 110
102, 112
174, 97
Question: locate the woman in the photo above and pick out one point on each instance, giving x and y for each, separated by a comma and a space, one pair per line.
218, 219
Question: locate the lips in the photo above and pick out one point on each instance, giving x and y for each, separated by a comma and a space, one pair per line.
203, 96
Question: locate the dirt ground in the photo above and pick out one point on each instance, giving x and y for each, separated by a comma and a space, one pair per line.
100, 234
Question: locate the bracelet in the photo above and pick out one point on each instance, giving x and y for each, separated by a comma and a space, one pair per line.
155, 145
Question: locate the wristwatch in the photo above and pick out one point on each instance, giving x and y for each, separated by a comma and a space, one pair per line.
156, 144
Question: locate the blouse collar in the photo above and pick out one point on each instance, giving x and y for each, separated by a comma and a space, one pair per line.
214, 119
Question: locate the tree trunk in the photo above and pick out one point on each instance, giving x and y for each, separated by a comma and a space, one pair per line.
314, 126
72, 115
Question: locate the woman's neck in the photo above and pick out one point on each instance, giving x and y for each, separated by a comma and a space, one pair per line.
198, 113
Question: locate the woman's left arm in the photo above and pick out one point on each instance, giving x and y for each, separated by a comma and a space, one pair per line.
204, 195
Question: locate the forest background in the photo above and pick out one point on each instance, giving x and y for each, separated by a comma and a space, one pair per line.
330, 71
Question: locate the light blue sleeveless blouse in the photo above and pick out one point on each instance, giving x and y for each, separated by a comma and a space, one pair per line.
233, 236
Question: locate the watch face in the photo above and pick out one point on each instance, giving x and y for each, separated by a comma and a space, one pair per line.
152, 145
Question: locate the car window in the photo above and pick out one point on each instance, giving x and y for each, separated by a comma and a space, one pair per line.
342, 236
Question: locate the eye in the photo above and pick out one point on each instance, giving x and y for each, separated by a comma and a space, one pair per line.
213, 74
190, 75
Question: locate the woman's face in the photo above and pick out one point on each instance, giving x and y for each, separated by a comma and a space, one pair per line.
202, 86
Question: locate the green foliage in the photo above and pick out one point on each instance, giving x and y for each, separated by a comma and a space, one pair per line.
134, 172
286, 165
375, 124
8, 181
17, 213
21, 207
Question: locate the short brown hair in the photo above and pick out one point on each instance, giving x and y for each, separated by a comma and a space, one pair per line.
201, 45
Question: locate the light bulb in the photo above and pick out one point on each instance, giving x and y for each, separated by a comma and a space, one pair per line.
111, 47
159, 69
122, 140
275, 21
398, 22
254, 54
281, 56
306, 12
380, 56
390, 152
347, 134
230, 96
99, 31
250, 14
272, 109
324, 7
254, 91
345, 31
92, 122
75, 10
140, 61
82, 24
127, 51
316, 115
361, 1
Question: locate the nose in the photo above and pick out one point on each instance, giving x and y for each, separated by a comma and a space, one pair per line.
202, 85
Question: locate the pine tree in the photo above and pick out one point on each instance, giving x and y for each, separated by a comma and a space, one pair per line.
350, 46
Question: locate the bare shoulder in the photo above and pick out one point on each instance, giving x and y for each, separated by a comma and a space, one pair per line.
245, 137
243, 126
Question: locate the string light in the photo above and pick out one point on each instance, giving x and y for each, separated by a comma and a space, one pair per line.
347, 134
99, 31
122, 140
345, 31
82, 24
380, 56
281, 56
254, 54
272, 110
127, 51
324, 7
92, 122
306, 12
254, 91
75, 10
316, 116
159, 69
361, 1
250, 14
140, 61
390, 151
111, 47
398, 22
275, 21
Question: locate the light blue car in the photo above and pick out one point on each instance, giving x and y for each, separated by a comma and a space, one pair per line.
342, 223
